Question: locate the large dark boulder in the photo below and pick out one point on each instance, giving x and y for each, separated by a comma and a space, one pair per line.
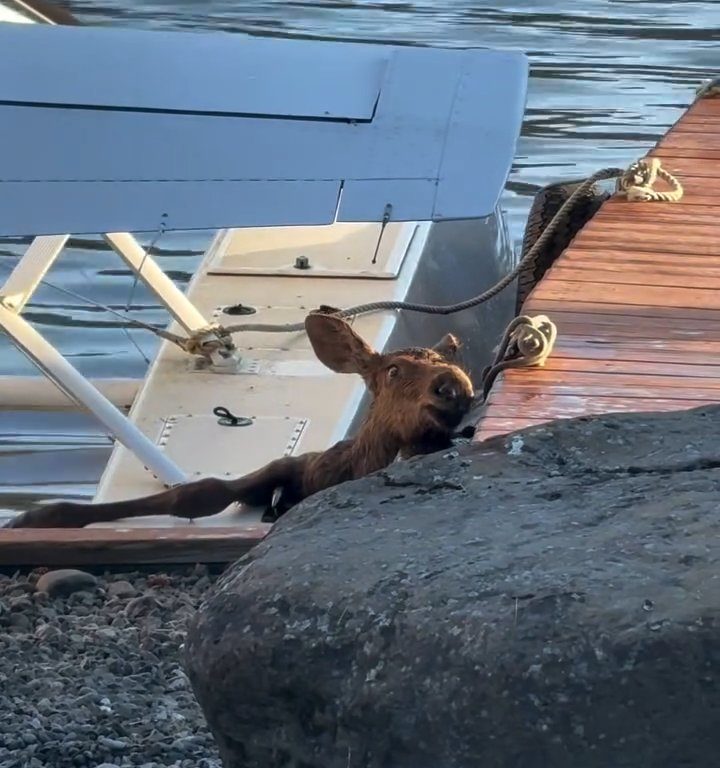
548, 600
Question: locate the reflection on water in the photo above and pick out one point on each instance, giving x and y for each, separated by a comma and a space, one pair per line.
607, 79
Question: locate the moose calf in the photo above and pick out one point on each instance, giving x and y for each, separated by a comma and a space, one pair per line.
419, 397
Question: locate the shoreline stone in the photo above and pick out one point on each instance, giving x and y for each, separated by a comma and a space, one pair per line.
65, 581
546, 600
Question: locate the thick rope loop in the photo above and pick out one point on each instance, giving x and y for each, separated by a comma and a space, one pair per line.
638, 181
527, 341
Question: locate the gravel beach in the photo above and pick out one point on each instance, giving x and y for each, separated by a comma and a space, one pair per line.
90, 673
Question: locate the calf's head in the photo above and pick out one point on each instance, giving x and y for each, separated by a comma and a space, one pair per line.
419, 395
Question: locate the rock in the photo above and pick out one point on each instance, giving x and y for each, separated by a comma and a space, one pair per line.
65, 581
20, 621
47, 633
22, 603
114, 745
141, 606
552, 599
121, 589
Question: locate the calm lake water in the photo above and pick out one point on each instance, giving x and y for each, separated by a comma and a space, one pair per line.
608, 78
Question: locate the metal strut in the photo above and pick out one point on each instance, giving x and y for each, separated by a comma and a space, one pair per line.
29, 273
78, 388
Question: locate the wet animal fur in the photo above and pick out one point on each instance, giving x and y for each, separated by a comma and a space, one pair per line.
419, 397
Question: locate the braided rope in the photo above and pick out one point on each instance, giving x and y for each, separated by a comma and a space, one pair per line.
638, 181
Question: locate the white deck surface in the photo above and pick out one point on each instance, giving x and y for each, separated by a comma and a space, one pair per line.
297, 404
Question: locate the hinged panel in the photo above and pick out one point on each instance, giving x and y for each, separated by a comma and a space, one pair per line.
202, 447
189, 72
338, 250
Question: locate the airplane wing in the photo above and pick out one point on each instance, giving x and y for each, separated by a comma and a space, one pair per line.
119, 130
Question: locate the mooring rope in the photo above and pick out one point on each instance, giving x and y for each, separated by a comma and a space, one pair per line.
635, 183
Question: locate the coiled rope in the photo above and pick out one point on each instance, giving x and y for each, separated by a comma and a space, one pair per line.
527, 341
638, 181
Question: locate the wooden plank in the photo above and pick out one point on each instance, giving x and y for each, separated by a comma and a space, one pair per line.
609, 334
675, 140
692, 117
670, 247
701, 107
707, 278
697, 106
580, 263
686, 352
701, 185
694, 126
690, 205
688, 239
500, 425
649, 212
652, 259
620, 324
110, 546
628, 295
542, 378
642, 228
553, 407
661, 242
675, 390
696, 199
632, 367
636, 333
697, 167
547, 306
695, 152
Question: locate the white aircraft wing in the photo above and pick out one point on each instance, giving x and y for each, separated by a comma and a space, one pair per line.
118, 130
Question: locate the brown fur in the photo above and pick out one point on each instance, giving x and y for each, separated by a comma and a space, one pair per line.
419, 398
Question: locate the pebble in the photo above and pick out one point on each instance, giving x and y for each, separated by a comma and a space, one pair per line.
65, 582
121, 589
141, 605
20, 621
47, 632
21, 603
91, 676
115, 745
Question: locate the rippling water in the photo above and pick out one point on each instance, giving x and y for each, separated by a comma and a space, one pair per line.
608, 77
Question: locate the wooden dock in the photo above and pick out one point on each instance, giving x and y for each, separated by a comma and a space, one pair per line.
635, 298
